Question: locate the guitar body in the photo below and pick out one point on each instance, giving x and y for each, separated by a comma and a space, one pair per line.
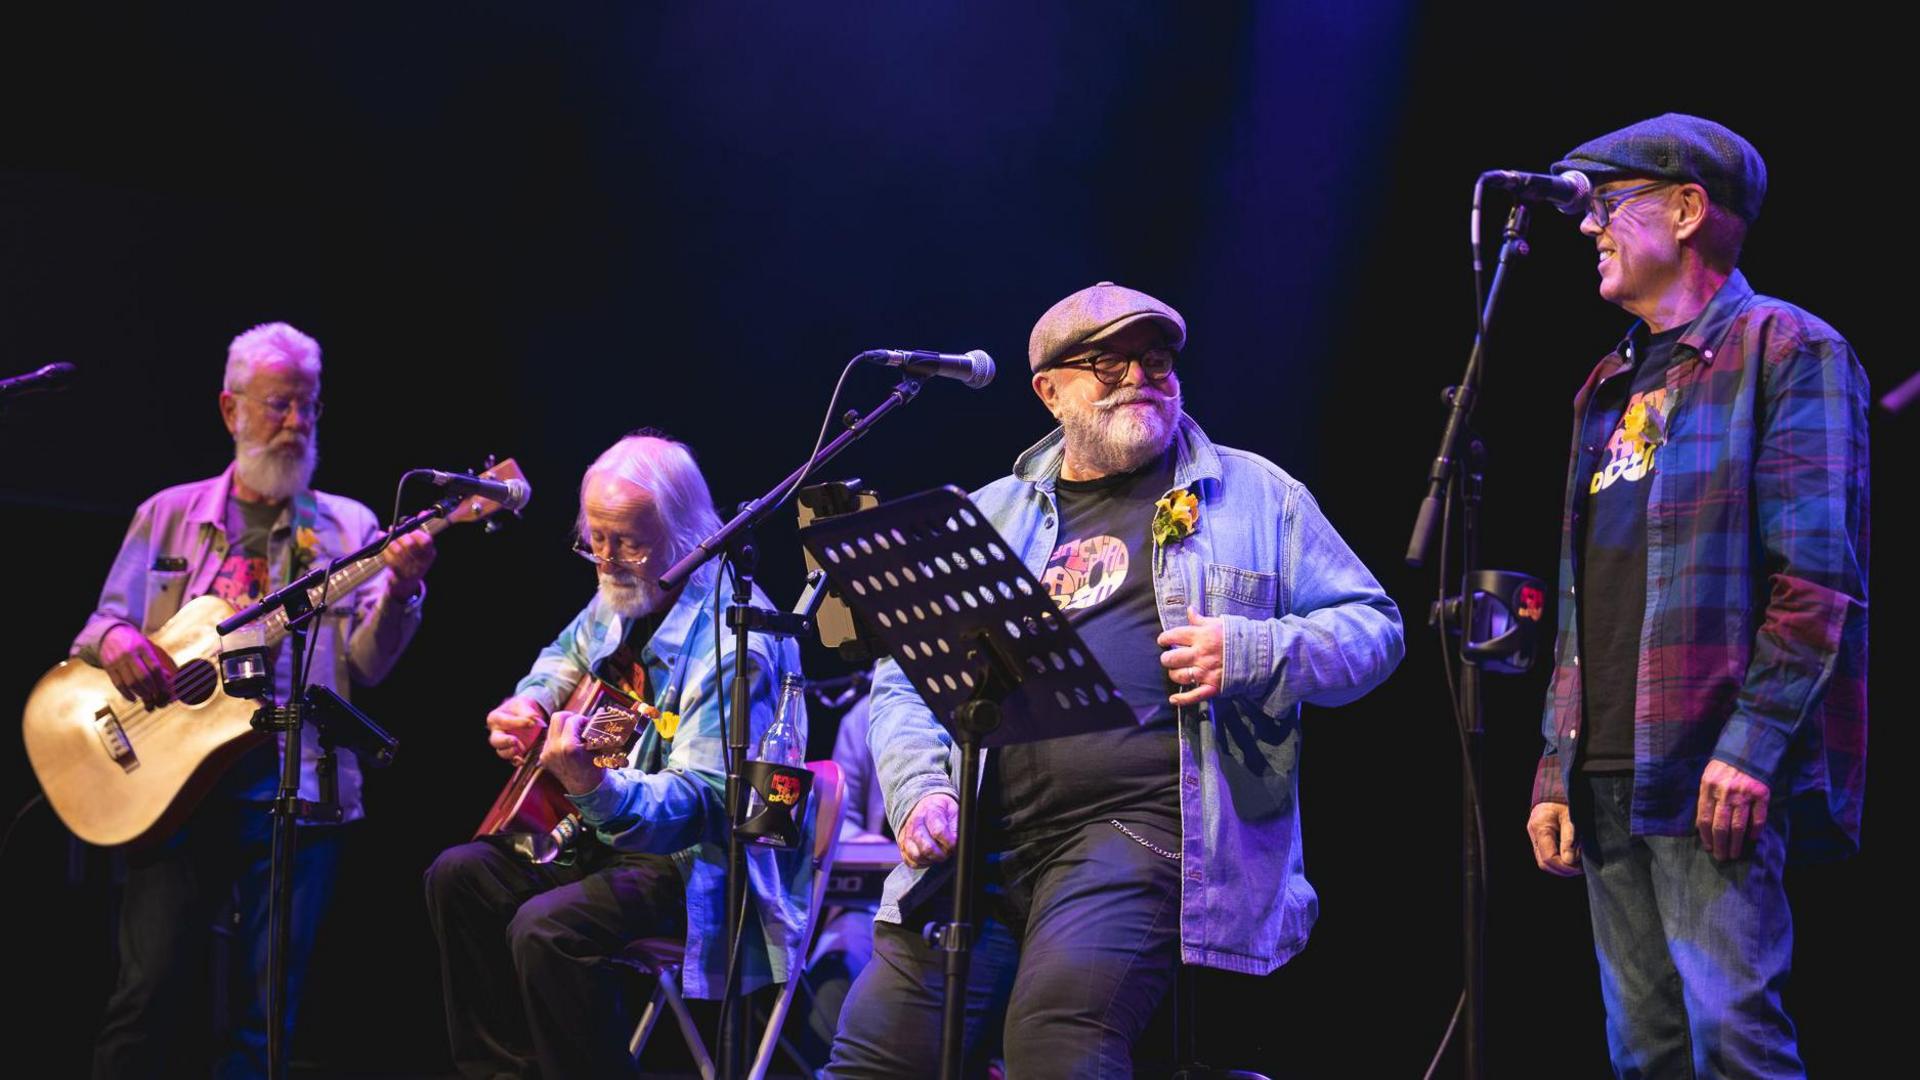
533, 801
117, 772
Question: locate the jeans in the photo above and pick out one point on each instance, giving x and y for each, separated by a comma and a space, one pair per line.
1693, 952
159, 1007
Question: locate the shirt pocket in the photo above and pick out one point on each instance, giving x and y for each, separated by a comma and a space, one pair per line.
1233, 591
166, 584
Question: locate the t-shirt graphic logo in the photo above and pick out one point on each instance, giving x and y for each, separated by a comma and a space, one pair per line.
241, 579
1631, 451
1082, 573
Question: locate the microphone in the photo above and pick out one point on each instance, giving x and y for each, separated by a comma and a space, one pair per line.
975, 368
56, 377
1567, 191
510, 494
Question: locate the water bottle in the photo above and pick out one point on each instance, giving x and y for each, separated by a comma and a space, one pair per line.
781, 744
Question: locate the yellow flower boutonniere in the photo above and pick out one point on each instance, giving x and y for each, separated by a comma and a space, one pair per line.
1644, 425
1174, 518
306, 546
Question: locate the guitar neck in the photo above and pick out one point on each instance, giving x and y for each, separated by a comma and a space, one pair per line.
339, 584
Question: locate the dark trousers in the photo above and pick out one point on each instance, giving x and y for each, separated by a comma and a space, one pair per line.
158, 1016
526, 956
1077, 935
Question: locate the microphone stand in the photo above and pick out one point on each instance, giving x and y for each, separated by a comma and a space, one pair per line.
735, 538
1444, 479
288, 807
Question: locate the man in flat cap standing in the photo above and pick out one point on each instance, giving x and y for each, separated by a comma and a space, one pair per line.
1709, 691
1213, 591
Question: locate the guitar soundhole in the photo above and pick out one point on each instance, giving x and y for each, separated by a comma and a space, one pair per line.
195, 682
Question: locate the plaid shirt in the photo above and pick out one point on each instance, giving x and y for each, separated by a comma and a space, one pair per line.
1753, 650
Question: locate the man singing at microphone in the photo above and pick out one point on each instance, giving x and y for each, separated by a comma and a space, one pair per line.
239, 536
526, 949
1217, 595
1709, 691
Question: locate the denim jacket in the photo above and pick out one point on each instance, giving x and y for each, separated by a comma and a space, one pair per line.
1304, 622
672, 801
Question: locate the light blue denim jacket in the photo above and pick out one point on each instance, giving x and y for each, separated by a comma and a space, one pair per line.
673, 800
1305, 622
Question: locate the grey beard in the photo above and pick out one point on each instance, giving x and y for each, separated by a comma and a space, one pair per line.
275, 474
1108, 443
630, 599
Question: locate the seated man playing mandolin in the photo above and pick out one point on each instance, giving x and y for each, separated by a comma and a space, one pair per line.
526, 943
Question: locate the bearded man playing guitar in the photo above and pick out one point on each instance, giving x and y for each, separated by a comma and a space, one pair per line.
238, 536
527, 937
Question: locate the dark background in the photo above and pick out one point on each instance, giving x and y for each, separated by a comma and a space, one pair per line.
526, 229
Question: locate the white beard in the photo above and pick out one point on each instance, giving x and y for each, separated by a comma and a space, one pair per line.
1110, 439
276, 471
630, 596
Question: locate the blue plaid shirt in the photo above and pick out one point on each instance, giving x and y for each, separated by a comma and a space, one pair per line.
1753, 649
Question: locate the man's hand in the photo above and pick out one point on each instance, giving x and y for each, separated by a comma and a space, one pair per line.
140, 670
408, 557
1732, 810
930, 831
1195, 657
1555, 848
513, 727
567, 759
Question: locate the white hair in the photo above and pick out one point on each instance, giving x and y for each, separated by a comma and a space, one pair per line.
666, 469
266, 342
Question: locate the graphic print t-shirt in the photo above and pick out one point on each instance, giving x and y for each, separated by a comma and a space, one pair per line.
246, 575
1100, 573
1613, 585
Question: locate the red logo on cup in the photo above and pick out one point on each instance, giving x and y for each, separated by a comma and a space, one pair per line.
783, 789
1533, 603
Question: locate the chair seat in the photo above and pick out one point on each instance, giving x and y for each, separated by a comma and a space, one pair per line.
653, 954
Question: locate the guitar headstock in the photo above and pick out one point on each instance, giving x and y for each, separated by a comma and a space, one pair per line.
611, 728
478, 508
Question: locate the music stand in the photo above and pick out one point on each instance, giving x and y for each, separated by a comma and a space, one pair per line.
985, 646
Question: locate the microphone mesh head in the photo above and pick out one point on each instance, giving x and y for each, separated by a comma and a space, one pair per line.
1584, 192
983, 370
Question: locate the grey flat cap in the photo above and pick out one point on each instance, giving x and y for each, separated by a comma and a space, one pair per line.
1093, 313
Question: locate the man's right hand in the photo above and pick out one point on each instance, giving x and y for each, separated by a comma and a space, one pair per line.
140, 670
930, 831
1555, 849
513, 726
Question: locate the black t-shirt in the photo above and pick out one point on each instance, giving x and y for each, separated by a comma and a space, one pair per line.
1631, 410
1101, 575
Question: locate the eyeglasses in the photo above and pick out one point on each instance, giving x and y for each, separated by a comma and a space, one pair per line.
277, 408
1602, 207
581, 549
1111, 367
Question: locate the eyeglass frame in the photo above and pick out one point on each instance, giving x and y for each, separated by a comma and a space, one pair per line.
585, 551
1602, 207
311, 408
1091, 362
